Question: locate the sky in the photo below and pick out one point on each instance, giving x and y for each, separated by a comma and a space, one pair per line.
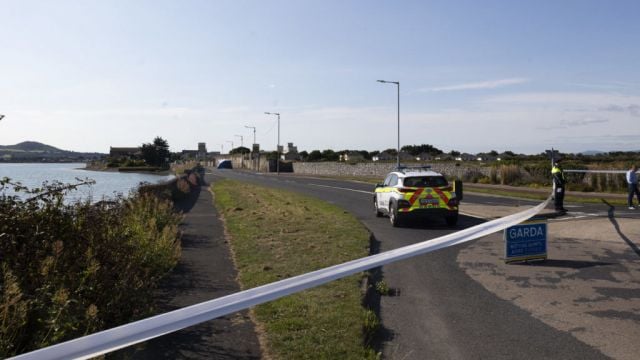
474, 76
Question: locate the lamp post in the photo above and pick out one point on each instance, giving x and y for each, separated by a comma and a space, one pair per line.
231, 146
241, 140
398, 84
254, 132
278, 148
253, 145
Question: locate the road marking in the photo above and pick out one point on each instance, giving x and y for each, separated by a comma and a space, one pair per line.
473, 216
342, 188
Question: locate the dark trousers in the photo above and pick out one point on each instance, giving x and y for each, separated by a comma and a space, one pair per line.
633, 189
558, 198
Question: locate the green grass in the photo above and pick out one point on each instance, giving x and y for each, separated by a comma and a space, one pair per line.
278, 234
542, 196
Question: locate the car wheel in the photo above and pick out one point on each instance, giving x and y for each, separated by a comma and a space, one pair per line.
375, 205
393, 215
451, 220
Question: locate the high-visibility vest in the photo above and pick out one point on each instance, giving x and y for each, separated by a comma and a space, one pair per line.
557, 172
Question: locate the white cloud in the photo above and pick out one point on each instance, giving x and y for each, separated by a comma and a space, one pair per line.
491, 84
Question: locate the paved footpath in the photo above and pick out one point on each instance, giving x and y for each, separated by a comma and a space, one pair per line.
205, 272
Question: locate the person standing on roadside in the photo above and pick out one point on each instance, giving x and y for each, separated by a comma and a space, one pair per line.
559, 182
632, 180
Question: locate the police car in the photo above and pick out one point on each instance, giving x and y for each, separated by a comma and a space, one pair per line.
417, 192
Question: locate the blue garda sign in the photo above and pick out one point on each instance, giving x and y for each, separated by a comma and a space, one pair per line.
526, 241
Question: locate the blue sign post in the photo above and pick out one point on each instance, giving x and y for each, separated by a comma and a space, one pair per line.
526, 241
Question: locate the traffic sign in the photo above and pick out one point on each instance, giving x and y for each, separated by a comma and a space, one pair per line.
526, 241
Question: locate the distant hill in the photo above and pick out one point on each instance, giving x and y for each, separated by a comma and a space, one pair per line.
33, 151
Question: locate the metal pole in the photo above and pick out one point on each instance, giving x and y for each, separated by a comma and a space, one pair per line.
398, 162
278, 161
254, 132
278, 149
253, 156
398, 84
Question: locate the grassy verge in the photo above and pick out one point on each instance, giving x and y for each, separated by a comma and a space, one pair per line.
278, 234
542, 196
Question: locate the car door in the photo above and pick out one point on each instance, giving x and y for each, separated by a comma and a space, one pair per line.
382, 193
387, 191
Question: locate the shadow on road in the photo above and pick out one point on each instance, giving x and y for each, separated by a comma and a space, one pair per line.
372, 300
570, 264
612, 219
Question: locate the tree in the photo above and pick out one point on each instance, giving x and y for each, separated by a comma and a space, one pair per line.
240, 150
419, 149
454, 153
315, 155
330, 155
303, 155
365, 154
391, 152
156, 153
272, 155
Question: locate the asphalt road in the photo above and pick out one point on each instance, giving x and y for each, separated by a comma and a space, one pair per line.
437, 311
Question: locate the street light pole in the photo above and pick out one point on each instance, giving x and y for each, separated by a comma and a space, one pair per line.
278, 149
231, 146
398, 84
241, 140
254, 132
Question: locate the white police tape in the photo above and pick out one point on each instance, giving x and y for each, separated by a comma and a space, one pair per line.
597, 171
139, 331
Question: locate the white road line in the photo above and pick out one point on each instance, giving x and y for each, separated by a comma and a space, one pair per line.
341, 188
473, 216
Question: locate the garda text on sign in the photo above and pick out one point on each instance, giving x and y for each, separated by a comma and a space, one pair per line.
526, 241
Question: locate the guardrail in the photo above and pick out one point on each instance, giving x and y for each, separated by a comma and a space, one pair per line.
142, 330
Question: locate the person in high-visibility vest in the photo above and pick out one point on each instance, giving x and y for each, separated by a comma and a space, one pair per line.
632, 180
559, 182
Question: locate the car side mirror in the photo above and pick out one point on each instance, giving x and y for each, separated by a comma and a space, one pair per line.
457, 187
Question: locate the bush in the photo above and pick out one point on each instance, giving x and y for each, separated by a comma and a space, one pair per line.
510, 175
73, 269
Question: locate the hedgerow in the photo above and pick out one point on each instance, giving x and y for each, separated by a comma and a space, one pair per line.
70, 269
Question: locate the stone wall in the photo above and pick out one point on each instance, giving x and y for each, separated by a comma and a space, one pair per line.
381, 169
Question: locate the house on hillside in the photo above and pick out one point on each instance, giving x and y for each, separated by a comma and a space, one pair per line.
443, 157
352, 156
486, 157
424, 157
466, 157
384, 156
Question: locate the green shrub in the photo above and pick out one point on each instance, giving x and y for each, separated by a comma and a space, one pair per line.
510, 175
73, 269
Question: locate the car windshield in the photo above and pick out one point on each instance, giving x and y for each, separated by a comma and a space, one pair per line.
425, 181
